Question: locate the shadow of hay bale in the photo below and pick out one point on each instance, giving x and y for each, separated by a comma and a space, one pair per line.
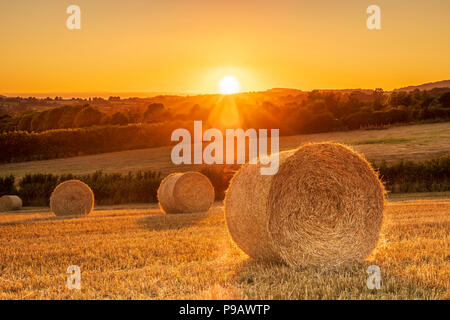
163, 222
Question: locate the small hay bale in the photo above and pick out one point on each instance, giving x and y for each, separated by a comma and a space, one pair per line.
72, 198
9, 203
186, 192
323, 207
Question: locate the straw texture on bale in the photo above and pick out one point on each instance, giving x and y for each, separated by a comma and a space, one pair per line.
72, 198
8, 203
323, 207
186, 192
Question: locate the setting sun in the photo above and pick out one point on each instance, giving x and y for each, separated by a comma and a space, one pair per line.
229, 85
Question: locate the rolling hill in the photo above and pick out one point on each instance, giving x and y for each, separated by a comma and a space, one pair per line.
427, 86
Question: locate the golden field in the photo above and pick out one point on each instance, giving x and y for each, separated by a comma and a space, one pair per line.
412, 142
135, 252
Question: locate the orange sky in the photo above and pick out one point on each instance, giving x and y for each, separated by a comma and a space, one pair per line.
187, 46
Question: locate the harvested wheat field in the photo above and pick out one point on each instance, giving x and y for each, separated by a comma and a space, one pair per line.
137, 252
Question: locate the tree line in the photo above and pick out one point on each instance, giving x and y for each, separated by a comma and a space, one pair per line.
330, 111
320, 111
19, 146
80, 116
76, 130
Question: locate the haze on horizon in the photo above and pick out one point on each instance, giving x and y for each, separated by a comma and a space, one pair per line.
188, 46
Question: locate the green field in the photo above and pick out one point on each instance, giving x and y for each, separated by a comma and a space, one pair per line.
414, 142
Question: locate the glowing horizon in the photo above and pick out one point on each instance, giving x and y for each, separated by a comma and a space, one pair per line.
186, 48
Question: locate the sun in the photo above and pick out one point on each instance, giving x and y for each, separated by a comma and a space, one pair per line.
229, 85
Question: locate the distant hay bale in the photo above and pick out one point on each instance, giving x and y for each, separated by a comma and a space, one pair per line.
71, 198
186, 192
323, 207
9, 203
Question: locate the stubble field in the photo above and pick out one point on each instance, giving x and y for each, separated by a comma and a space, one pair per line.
135, 252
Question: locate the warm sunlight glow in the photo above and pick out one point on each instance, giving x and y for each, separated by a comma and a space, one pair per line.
229, 85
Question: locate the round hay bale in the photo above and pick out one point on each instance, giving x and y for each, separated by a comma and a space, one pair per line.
9, 203
323, 207
186, 192
72, 198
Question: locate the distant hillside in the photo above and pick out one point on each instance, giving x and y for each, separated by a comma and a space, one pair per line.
427, 86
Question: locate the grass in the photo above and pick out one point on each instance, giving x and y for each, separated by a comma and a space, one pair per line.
136, 252
412, 142
394, 197
382, 141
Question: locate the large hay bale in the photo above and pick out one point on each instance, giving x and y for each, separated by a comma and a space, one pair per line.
71, 198
323, 207
9, 203
185, 193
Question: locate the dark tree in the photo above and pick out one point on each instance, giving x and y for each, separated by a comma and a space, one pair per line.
118, 118
155, 113
444, 100
88, 116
